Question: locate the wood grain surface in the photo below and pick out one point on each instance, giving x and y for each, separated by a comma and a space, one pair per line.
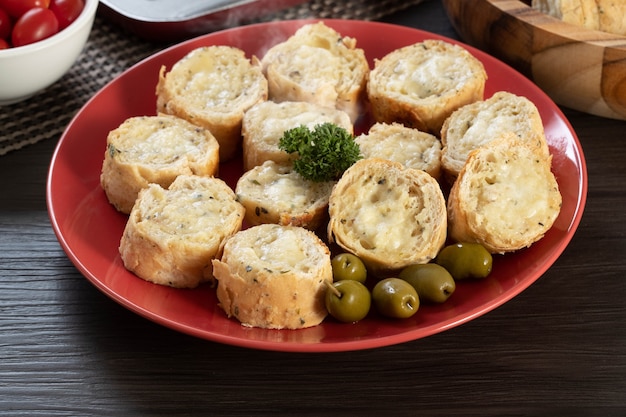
559, 348
578, 68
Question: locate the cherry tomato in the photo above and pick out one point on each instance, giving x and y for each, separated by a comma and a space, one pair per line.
66, 11
5, 25
16, 8
3, 44
35, 25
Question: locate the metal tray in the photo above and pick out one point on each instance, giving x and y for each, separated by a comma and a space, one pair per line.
171, 20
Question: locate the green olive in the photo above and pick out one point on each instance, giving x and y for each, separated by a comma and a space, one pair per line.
348, 266
396, 298
348, 301
432, 282
465, 260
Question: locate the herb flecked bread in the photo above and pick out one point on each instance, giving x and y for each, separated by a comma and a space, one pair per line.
388, 215
318, 65
478, 123
173, 234
275, 277
411, 147
505, 197
212, 87
154, 149
604, 15
420, 85
264, 124
275, 193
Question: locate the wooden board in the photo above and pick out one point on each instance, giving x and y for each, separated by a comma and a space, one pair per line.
578, 68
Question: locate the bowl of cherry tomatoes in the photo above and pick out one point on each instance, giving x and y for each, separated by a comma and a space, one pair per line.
39, 41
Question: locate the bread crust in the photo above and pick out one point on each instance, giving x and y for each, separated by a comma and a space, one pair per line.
505, 198
212, 87
265, 123
275, 193
274, 277
318, 65
154, 149
396, 142
420, 85
388, 215
173, 234
478, 123
603, 15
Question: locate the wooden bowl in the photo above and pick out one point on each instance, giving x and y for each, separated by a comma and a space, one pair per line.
578, 68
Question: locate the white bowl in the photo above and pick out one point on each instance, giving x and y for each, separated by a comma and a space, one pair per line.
28, 69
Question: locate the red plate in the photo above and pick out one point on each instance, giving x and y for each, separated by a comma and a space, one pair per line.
89, 229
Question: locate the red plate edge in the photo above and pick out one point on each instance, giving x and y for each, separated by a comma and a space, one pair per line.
555, 121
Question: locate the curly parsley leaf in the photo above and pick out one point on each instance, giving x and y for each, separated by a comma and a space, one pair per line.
324, 153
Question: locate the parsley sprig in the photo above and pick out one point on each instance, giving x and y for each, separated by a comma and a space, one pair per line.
324, 153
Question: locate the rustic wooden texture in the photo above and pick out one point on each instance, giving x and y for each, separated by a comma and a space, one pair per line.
559, 348
579, 68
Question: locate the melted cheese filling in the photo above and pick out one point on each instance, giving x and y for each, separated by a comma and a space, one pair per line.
512, 196
487, 120
311, 67
161, 144
409, 151
283, 249
272, 126
282, 189
381, 220
428, 75
192, 215
208, 79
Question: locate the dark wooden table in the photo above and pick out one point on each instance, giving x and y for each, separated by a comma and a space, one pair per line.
559, 348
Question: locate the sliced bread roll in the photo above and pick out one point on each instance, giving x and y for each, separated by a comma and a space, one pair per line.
420, 85
275, 277
411, 147
604, 15
154, 149
318, 65
478, 123
275, 193
505, 198
583, 13
264, 124
173, 234
388, 215
212, 87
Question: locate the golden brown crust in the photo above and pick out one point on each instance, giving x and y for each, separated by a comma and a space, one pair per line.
388, 215
275, 277
275, 193
604, 15
478, 123
212, 87
395, 142
318, 65
173, 234
420, 85
154, 149
505, 198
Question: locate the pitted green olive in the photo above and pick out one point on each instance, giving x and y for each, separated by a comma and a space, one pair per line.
348, 301
432, 282
396, 298
348, 266
465, 260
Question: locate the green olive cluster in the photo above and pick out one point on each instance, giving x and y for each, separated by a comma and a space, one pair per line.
349, 300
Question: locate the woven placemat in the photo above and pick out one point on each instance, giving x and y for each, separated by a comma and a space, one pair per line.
110, 50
